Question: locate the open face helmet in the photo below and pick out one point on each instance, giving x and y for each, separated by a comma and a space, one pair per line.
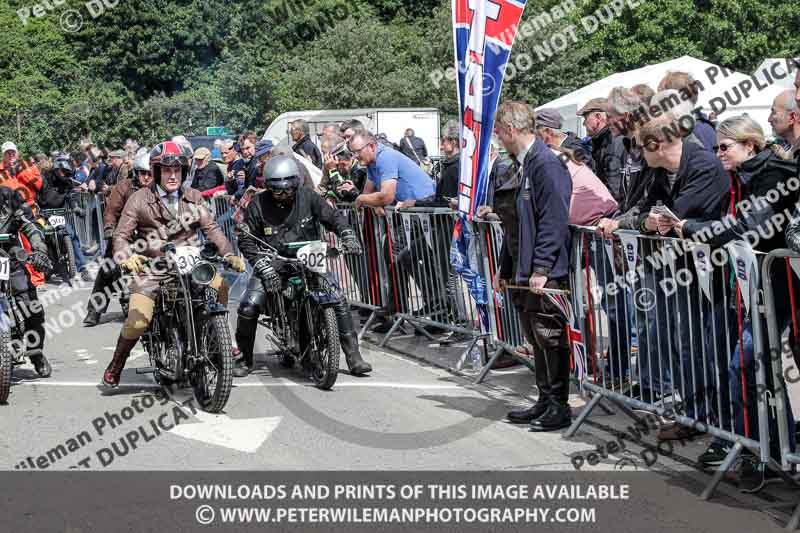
169, 154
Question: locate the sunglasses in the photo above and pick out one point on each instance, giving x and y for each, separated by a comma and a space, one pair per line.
722, 148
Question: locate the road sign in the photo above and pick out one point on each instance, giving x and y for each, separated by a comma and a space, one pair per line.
216, 131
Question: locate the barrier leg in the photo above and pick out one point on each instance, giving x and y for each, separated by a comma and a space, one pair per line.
391, 331
422, 330
726, 465
585, 412
488, 366
795, 520
367, 324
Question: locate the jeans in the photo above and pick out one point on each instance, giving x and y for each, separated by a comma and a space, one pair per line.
618, 306
743, 359
80, 260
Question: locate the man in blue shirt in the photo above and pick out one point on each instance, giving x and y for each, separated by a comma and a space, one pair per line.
392, 177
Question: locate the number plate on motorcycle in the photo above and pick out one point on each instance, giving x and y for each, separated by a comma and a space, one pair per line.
313, 256
186, 257
5, 268
57, 221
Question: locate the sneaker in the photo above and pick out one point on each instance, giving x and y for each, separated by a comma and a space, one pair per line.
715, 454
752, 475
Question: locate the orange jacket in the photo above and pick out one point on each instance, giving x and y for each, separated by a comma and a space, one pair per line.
27, 182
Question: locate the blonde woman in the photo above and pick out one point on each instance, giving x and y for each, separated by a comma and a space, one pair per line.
763, 185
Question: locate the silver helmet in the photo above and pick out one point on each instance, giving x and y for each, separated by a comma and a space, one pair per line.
281, 173
142, 161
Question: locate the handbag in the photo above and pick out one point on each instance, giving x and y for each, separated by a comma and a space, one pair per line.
426, 166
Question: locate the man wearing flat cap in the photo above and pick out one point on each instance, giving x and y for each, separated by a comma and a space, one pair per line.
549, 127
119, 169
208, 178
606, 149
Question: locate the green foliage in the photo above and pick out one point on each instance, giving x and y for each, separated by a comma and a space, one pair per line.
150, 69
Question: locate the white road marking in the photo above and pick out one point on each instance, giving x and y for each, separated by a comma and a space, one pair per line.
252, 384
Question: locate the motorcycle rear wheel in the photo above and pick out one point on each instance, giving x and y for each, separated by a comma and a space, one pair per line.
325, 363
6, 366
213, 379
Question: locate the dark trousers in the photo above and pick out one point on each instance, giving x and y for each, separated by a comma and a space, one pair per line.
544, 327
105, 279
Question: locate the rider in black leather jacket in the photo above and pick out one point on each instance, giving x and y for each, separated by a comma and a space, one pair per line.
284, 213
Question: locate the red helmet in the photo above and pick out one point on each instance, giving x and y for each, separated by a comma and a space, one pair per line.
170, 154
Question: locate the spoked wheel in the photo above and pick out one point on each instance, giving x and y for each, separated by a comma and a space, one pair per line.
213, 376
6, 366
72, 265
325, 360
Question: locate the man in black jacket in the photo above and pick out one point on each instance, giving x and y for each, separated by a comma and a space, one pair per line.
303, 145
690, 182
284, 213
16, 218
605, 145
207, 174
56, 194
413, 147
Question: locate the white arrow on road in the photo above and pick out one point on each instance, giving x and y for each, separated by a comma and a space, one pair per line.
243, 434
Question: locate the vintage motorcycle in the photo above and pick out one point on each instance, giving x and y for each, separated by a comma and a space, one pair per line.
59, 244
300, 319
12, 320
188, 340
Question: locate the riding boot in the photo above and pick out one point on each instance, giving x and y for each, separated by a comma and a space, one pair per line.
245, 340
349, 341
114, 370
352, 354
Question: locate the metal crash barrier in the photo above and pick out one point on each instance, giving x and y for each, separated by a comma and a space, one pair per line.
89, 226
781, 269
664, 321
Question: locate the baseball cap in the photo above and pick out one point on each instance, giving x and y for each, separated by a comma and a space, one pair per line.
548, 118
202, 153
117, 153
8, 145
263, 147
595, 104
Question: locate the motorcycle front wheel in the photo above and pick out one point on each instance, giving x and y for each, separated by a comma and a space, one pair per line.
325, 360
213, 376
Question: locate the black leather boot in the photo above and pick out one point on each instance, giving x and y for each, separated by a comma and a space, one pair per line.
556, 417
526, 416
352, 355
114, 370
245, 340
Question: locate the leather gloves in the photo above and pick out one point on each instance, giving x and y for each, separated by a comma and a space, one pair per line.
134, 264
41, 261
350, 242
235, 262
268, 275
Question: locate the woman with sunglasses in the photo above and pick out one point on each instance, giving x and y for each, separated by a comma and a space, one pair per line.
763, 189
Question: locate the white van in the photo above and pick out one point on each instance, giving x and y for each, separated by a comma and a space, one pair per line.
392, 122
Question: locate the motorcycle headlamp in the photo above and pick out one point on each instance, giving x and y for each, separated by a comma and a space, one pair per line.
203, 273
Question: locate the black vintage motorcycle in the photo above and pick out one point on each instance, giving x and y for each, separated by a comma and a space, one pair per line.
300, 319
12, 321
59, 244
188, 341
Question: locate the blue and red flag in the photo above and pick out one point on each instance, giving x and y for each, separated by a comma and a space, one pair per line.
483, 34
